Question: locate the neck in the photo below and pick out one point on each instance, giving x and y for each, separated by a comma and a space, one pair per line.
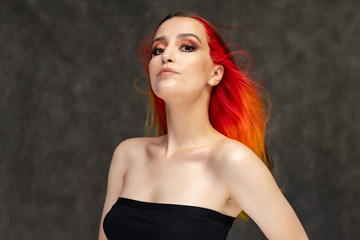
188, 126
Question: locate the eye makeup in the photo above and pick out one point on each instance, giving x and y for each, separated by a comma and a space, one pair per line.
186, 35
157, 49
179, 36
186, 45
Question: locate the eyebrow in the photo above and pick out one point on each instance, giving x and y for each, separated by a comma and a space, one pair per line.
182, 35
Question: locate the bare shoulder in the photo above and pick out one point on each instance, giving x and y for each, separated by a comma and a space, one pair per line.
133, 148
231, 153
239, 167
132, 142
128, 144
138, 141
252, 187
130, 147
125, 155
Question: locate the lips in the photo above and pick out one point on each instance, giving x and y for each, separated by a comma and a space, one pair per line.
167, 71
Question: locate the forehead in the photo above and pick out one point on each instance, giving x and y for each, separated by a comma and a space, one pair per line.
178, 25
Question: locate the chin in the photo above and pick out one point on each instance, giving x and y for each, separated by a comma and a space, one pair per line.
165, 88
165, 94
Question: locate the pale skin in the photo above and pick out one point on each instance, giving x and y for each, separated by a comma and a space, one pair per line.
193, 164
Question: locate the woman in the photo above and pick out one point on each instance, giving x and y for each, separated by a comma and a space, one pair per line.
209, 162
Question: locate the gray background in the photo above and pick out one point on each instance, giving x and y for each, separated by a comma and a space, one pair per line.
67, 99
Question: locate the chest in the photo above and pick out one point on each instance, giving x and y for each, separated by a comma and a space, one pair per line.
188, 178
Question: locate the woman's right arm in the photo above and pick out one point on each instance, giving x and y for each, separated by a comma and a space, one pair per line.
115, 182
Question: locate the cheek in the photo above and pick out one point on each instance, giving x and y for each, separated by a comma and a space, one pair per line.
151, 66
201, 67
152, 69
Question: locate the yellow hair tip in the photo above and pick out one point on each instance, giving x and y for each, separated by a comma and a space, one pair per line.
243, 216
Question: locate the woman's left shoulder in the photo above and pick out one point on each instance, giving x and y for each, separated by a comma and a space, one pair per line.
232, 150
231, 157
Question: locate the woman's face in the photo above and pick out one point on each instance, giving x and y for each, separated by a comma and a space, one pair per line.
180, 65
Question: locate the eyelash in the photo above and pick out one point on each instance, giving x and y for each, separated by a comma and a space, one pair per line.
156, 52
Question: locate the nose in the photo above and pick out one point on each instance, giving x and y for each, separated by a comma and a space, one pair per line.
167, 57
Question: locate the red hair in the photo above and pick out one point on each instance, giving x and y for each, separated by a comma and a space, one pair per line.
236, 108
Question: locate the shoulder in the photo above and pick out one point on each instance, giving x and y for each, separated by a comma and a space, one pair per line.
127, 144
132, 148
232, 152
235, 162
244, 175
135, 143
252, 187
128, 149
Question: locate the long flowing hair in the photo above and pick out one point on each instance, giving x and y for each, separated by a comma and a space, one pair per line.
237, 104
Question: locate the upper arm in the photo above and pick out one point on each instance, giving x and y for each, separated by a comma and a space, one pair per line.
116, 175
254, 189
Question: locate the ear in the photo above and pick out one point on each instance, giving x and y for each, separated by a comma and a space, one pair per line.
216, 76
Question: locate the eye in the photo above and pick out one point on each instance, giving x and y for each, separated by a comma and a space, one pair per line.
188, 48
157, 51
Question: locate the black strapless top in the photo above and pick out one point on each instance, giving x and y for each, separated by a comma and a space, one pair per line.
131, 219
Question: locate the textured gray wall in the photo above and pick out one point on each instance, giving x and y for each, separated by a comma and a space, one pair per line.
67, 99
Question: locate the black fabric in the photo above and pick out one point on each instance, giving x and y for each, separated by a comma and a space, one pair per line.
131, 219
